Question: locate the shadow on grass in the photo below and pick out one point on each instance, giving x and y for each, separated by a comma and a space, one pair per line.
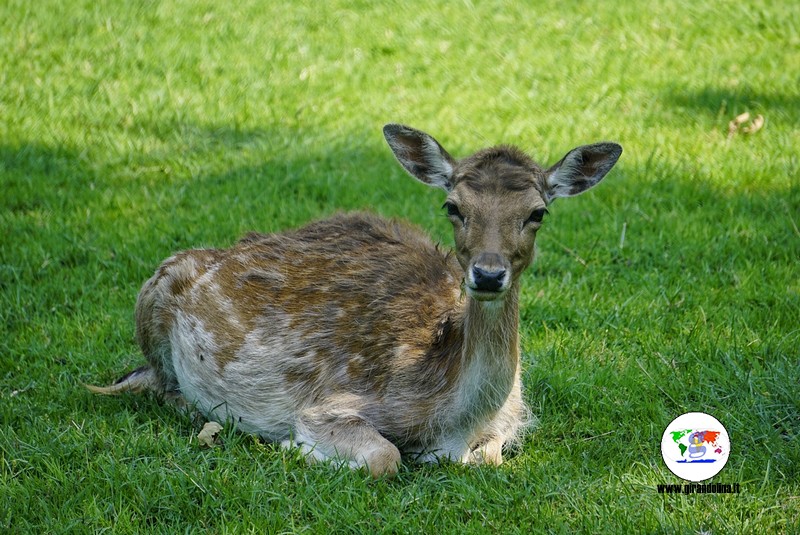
198, 185
36, 176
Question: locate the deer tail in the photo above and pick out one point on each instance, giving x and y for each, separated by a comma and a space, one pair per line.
139, 380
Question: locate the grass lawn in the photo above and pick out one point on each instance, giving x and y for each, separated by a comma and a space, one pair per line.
131, 130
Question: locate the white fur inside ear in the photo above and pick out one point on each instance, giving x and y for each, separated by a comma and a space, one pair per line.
559, 182
420, 155
440, 169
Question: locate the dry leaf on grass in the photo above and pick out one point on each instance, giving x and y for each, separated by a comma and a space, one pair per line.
209, 432
735, 125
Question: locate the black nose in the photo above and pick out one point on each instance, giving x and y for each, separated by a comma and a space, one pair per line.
487, 281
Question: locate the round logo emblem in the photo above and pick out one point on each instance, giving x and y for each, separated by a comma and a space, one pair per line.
695, 446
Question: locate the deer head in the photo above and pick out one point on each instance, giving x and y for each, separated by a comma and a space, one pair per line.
496, 200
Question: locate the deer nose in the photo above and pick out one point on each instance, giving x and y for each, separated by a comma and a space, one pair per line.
488, 281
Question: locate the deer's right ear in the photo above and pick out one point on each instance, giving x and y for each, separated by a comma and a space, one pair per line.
420, 155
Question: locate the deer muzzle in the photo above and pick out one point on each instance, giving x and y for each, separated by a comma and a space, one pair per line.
488, 277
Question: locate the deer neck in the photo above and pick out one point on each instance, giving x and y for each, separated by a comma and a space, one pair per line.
490, 355
491, 329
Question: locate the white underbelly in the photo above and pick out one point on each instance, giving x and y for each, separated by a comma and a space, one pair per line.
246, 391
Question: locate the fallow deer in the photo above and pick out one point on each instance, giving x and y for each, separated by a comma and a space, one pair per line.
355, 337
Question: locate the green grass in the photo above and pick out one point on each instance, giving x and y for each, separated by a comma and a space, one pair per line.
131, 130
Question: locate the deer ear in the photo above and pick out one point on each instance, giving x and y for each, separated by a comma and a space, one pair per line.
581, 168
420, 155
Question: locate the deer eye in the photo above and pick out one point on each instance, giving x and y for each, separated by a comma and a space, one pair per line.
452, 211
537, 216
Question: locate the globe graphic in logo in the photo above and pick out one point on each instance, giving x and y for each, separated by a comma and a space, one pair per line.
695, 446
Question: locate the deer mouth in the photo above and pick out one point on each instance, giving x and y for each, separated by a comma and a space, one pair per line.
485, 295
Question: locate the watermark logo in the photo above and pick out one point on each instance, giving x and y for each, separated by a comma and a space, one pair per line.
695, 446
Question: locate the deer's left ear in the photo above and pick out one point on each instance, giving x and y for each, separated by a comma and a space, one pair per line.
581, 168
